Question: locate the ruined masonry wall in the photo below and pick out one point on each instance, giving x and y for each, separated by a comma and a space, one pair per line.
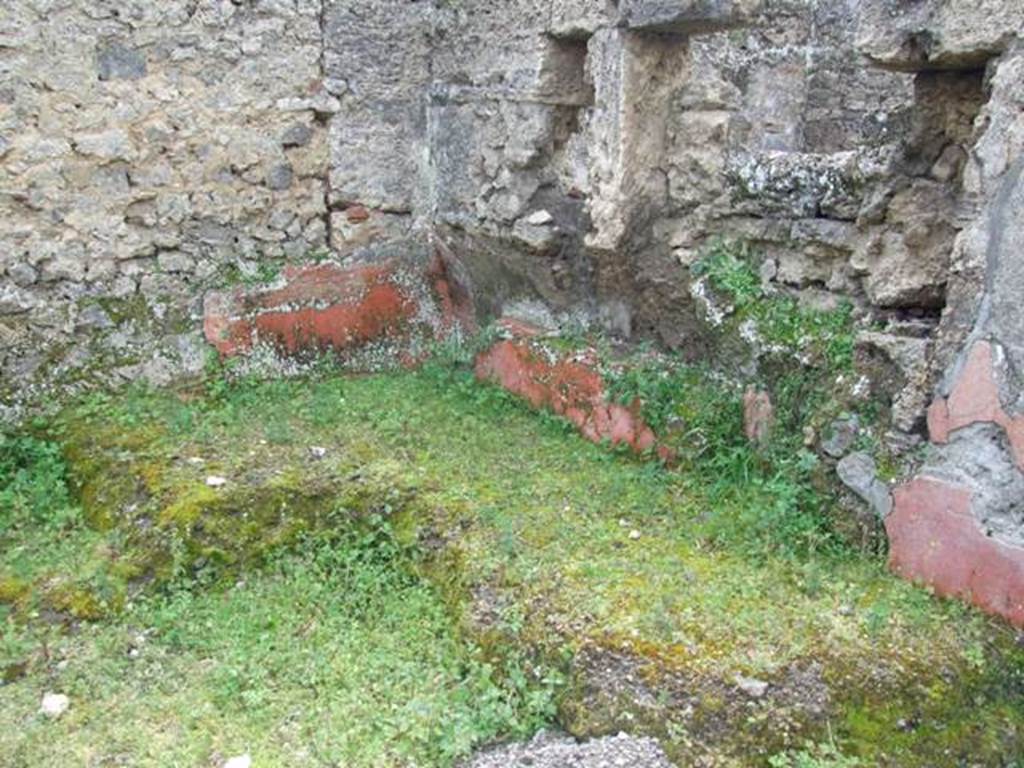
147, 150
959, 524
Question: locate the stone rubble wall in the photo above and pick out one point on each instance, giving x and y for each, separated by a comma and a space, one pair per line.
959, 524
146, 150
584, 164
567, 157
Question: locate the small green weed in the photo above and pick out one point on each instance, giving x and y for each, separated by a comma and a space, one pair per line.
763, 497
728, 266
266, 272
816, 756
33, 487
337, 647
334, 649
821, 338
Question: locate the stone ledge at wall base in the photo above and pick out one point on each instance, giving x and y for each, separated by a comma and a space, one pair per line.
318, 308
934, 538
568, 384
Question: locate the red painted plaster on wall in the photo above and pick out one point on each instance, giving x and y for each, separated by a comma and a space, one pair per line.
975, 399
934, 535
571, 387
326, 306
935, 538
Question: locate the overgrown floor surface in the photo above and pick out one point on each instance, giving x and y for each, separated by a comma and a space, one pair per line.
399, 569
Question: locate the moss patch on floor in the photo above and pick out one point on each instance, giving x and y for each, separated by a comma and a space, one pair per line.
329, 655
550, 555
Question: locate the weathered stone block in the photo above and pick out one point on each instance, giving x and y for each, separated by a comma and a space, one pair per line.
689, 17
928, 34
116, 61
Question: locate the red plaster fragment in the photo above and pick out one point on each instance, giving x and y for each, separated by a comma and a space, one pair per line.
454, 301
326, 306
357, 213
938, 421
975, 399
758, 415
571, 387
934, 538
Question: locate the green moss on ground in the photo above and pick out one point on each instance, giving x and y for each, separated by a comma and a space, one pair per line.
551, 553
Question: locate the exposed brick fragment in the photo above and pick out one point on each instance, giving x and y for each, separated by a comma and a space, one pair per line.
758, 415
357, 213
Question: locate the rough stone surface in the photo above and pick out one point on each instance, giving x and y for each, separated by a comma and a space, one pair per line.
953, 34
959, 524
859, 473
549, 750
140, 142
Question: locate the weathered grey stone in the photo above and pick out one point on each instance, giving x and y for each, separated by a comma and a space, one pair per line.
840, 436
175, 261
941, 35
798, 186
907, 382
63, 267
115, 61
553, 751
688, 16
109, 145
906, 263
92, 317
280, 176
298, 135
23, 275
859, 473
536, 236
15, 301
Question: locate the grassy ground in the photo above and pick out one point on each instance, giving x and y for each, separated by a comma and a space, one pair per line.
329, 656
487, 539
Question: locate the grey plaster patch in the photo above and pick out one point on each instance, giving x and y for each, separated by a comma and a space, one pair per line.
978, 457
859, 473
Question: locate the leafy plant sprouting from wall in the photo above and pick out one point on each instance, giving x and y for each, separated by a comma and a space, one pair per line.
772, 496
